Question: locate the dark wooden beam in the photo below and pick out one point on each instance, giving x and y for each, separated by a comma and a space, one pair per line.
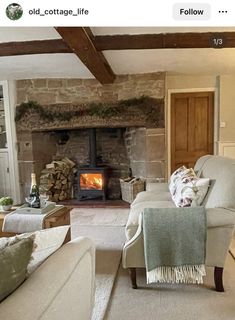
122, 42
33, 47
80, 40
165, 41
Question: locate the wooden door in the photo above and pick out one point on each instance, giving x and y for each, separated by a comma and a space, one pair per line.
192, 123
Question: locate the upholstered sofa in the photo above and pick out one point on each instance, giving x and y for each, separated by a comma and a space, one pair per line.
219, 201
61, 288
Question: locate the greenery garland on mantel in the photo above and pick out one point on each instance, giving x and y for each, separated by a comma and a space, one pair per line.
102, 110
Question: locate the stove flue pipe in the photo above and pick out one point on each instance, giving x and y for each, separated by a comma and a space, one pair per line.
92, 146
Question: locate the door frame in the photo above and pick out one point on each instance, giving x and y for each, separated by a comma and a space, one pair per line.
9, 98
168, 119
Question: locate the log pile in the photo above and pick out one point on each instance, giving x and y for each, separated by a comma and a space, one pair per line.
57, 178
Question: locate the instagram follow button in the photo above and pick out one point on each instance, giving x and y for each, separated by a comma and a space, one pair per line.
191, 11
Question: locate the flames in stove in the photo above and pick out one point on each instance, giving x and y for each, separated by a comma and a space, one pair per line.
91, 181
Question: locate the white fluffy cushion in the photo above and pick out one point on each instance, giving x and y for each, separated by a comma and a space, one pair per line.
46, 242
190, 191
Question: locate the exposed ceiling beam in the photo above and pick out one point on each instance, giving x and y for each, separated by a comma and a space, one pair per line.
121, 42
33, 47
165, 41
80, 40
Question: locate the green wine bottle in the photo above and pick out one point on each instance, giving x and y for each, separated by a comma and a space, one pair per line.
34, 192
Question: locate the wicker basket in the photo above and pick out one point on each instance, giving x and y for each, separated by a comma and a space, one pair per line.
130, 189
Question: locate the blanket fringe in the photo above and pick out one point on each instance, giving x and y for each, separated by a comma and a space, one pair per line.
179, 274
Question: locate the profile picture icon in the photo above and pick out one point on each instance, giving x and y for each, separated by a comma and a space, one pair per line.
14, 11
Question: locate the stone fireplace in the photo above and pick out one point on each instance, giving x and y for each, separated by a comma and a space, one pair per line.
129, 141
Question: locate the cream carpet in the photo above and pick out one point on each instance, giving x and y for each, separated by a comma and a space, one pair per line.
109, 241
100, 216
173, 302
161, 302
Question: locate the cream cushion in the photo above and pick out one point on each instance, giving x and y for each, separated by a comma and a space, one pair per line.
157, 187
46, 242
151, 196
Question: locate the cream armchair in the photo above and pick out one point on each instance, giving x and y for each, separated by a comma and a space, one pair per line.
220, 218
61, 288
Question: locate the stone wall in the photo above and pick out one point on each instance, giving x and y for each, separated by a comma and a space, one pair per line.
35, 150
52, 91
146, 151
78, 91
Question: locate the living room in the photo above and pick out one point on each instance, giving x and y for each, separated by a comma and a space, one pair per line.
112, 101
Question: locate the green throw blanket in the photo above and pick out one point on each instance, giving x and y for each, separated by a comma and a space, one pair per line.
175, 244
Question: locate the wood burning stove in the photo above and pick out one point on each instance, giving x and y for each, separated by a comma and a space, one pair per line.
92, 183
92, 180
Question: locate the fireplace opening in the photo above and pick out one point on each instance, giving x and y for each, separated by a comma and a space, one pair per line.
91, 181
106, 157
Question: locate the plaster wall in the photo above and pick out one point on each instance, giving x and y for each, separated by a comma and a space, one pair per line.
224, 106
227, 107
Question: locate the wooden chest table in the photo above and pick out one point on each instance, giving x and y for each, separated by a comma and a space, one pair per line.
60, 217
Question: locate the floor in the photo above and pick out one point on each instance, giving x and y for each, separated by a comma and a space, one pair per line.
173, 302
95, 203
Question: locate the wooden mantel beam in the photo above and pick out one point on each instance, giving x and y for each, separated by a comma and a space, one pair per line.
165, 41
80, 40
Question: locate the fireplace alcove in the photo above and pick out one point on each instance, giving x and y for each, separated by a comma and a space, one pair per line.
118, 149
130, 140
96, 151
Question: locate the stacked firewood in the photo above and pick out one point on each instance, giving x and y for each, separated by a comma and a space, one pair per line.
56, 180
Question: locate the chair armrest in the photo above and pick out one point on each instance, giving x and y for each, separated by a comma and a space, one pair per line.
157, 186
62, 285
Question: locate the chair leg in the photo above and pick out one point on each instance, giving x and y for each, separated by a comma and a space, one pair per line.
218, 278
132, 272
